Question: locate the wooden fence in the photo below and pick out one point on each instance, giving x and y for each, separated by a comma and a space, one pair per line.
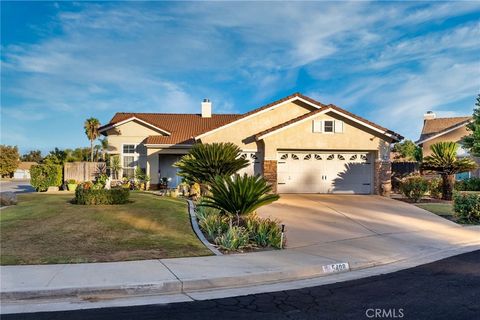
83, 171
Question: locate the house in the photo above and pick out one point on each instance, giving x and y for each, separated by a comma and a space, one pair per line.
445, 129
23, 171
298, 144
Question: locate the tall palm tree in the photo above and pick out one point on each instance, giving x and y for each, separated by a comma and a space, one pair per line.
91, 130
104, 146
445, 161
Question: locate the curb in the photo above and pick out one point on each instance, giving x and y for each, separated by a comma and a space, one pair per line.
185, 287
198, 232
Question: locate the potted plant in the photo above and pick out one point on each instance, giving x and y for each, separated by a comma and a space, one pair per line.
72, 184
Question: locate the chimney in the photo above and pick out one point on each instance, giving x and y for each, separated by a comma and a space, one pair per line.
206, 108
430, 115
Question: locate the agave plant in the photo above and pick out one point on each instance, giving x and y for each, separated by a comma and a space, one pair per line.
445, 161
239, 195
206, 161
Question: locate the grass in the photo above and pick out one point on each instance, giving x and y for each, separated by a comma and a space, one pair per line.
46, 228
442, 209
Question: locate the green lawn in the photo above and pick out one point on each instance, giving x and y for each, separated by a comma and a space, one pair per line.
442, 209
46, 228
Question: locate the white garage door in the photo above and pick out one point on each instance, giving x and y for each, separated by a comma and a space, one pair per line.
324, 172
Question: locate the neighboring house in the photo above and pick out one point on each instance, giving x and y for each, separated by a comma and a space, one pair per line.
445, 129
298, 144
23, 171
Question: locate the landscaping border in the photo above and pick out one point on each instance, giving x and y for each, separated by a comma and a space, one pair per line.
198, 232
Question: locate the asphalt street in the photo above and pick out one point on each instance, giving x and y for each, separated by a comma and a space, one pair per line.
446, 289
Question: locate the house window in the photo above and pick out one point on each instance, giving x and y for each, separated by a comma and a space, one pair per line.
128, 166
128, 148
328, 126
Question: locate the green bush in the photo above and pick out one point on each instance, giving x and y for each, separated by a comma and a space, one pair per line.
71, 181
435, 188
86, 194
213, 225
414, 187
264, 232
471, 184
235, 238
45, 175
466, 207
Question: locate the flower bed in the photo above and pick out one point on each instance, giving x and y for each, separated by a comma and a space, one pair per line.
86, 194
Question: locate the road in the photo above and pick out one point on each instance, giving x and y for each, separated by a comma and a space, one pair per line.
446, 289
17, 186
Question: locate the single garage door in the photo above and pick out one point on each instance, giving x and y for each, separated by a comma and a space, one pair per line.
324, 172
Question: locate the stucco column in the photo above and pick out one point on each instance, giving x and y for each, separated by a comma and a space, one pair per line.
152, 167
270, 173
383, 177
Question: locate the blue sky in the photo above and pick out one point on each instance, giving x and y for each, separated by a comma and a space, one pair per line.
62, 62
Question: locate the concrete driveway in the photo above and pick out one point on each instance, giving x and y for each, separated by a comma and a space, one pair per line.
313, 220
17, 186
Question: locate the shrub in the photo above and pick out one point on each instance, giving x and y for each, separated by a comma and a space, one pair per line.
45, 175
71, 181
466, 206
414, 187
87, 194
213, 225
471, 184
264, 232
234, 239
435, 188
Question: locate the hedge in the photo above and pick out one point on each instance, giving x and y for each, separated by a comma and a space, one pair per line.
471, 184
89, 196
43, 176
466, 206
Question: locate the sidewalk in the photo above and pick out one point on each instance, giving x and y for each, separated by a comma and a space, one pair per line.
185, 275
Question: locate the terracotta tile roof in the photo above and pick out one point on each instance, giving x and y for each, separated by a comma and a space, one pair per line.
433, 127
25, 165
183, 127
323, 108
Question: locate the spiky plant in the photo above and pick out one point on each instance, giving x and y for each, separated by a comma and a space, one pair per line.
239, 195
115, 165
91, 130
206, 161
445, 161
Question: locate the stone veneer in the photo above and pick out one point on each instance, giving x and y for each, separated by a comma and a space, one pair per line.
383, 177
270, 173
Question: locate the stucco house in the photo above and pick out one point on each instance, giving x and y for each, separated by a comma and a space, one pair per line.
23, 170
445, 129
298, 144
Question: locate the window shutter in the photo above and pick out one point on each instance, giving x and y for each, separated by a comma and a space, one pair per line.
317, 125
338, 126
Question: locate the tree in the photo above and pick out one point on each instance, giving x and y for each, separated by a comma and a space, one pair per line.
115, 166
9, 159
104, 147
206, 161
444, 160
91, 130
239, 195
32, 156
56, 156
408, 151
472, 141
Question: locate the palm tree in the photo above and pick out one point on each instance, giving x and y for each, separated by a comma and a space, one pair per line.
91, 130
239, 195
104, 147
115, 166
206, 161
445, 161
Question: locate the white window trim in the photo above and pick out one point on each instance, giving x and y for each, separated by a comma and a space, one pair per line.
135, 156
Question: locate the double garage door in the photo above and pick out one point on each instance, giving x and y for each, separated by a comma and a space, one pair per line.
325, 172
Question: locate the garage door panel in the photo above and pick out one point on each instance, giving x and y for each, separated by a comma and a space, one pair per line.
324, 172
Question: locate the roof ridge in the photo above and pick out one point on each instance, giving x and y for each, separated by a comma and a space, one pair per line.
178, 113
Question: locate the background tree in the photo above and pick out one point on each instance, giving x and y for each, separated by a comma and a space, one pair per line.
104, 148
32, 156
408, 151
9, 160
472, 141
206, 161
56, 156
91, 130
444, 160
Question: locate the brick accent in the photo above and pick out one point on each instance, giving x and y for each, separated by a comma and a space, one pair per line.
383, 178
270, 173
